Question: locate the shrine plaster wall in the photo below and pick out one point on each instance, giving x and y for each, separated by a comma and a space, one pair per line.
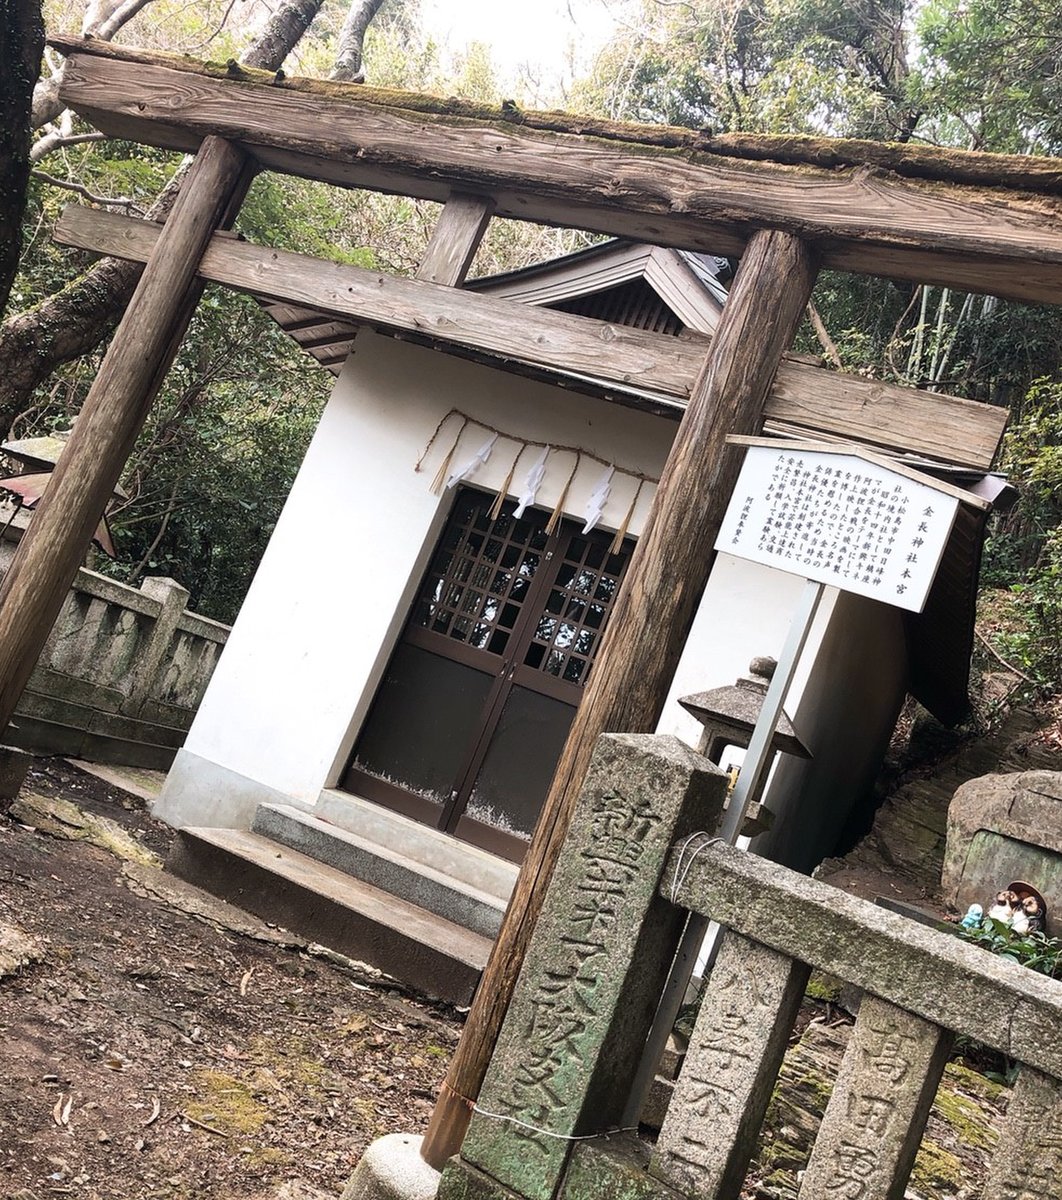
328, 602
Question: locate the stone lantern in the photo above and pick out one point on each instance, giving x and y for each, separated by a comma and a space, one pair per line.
728, 716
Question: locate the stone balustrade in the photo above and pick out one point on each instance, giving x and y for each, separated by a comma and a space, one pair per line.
121, 676
640, 853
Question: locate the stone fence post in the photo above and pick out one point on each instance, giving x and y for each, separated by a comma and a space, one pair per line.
174, 599
574, 1034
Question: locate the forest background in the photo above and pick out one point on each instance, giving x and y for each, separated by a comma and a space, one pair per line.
213, 467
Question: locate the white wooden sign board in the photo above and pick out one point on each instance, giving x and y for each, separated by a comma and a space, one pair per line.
841, 520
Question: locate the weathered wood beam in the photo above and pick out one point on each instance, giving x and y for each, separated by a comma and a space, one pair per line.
860, 219
132, 371
1025, 172
455, 240
651, 617
822, 401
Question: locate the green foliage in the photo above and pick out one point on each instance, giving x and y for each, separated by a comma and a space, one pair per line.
990, 74
118, 170
308, 217
1033, 640
798, 66
1024, 551
1036, 951
213, 466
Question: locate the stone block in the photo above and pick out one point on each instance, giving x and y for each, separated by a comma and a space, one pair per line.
733, 1059
392, 1169
1003, 828
572, 1039
461, 1181
674, 1053
1028, 1162
14, 765
613, 1169
869, 1136
657, 1102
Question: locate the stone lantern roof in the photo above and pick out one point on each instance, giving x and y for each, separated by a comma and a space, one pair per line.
734, 710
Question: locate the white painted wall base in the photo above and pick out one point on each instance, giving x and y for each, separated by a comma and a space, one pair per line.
203, 793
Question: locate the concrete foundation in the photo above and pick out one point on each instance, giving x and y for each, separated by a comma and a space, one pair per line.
200, 792
392, 1169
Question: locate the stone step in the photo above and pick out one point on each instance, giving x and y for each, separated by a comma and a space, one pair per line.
389, 869
448, 855
320, 902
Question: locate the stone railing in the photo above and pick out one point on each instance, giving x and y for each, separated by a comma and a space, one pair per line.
640, 854
121, 676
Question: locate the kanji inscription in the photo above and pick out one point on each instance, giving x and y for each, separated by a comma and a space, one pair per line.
563, 1004
873, 1123
1028, 1164
841, 520
726, 1080
603, 944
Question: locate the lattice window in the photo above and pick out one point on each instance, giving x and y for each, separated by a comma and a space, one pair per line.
569, 630
481, 574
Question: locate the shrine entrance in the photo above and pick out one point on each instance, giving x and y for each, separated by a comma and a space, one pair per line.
468, 724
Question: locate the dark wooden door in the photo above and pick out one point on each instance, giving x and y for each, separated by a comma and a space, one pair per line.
469, 721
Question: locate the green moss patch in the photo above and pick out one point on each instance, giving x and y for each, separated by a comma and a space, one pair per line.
226, 1103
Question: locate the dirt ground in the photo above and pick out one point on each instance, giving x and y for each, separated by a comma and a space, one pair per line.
158, 1043
154, 1051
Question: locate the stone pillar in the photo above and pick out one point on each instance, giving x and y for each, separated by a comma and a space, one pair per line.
735, 1052
173, 600
595, 969
873, 1124
1027, 1165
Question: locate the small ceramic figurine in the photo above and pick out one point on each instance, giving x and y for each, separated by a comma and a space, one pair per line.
1033, 913
1004, 907
975, 914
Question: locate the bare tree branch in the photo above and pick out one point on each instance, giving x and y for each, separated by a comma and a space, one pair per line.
55, 139
120, 15
77, 319
217, 32
99, 23
348, 67
70, 186
46, 106
281, 34
823, 334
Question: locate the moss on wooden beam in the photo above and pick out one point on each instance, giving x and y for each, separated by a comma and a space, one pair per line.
973, 168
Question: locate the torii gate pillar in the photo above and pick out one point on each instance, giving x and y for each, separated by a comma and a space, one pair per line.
114, 411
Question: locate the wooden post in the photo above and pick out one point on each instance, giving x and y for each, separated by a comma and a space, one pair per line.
651, 619
136, 362
455, 239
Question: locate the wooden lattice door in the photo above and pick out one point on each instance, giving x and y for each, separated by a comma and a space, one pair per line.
468, 723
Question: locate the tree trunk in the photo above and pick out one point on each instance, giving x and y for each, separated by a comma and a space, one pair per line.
21, 46
38, 579
103, 27
352, 40
77, 319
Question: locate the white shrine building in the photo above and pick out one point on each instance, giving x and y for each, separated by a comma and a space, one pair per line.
400, 680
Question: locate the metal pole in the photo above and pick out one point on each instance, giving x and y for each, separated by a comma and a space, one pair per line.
757, 759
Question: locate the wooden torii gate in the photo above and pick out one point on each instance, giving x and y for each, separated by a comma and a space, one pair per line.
786, 206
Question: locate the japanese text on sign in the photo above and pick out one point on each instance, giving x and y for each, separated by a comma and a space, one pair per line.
841, 520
